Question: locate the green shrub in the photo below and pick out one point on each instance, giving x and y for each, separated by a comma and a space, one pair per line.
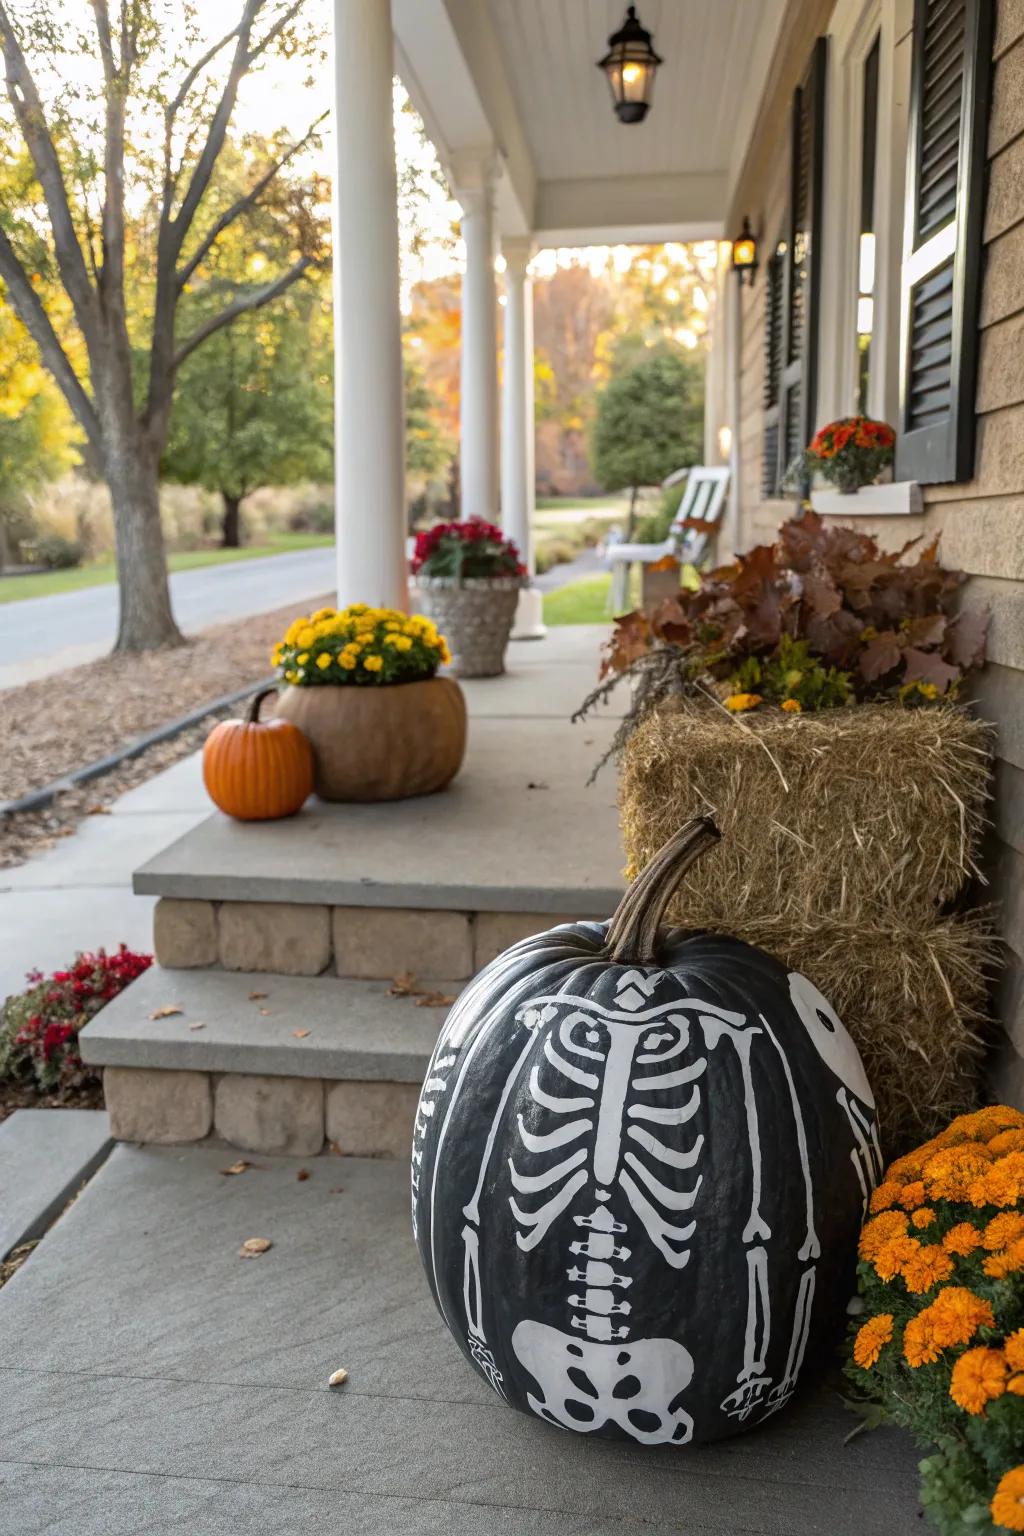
315, 518
554, 552
58, 553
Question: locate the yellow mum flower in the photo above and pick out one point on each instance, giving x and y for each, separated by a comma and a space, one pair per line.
1008, 1500
276, 654
738, 702
346, 661
324, 613
871, 1339
291, 677
305, 637
402, 643
323, 661
303, 658
792, 706
373, 663
979, 1376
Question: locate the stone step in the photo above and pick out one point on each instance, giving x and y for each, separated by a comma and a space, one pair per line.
268, 1063
45, 1154
519, 831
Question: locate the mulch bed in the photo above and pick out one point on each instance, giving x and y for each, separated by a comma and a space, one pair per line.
57, 724
28, 1096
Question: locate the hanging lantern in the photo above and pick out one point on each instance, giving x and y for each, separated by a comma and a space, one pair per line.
744, 253
630, 65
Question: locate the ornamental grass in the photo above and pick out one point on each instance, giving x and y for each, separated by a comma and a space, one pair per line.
940, 1347
845, 836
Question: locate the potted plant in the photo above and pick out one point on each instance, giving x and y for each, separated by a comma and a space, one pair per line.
469, 577
361, 685
849, 453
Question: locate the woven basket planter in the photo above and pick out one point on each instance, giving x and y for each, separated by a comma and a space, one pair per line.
475, 615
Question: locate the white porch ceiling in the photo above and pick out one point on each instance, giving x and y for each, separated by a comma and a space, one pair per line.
519, 76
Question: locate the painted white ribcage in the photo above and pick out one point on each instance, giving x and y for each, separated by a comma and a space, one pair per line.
599, 1079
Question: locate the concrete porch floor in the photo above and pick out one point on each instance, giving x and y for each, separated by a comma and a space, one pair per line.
152, 1380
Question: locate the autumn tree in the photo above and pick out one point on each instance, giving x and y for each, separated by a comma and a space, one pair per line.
649, 423
109, 223
36, 433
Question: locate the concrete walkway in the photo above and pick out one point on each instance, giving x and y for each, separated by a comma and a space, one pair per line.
152, 1380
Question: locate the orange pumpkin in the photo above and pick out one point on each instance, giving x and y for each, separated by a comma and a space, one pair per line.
257, 770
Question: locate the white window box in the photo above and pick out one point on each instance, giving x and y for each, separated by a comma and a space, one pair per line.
901, 498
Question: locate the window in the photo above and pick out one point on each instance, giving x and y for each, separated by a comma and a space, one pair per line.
793, 282
866, 243
940, 287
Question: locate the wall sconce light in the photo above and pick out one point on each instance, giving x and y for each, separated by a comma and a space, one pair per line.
744, 253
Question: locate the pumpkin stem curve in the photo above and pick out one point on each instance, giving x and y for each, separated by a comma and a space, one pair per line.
635, 929
252, 714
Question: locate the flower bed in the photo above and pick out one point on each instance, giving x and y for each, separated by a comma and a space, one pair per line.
39, 1027
941, 1349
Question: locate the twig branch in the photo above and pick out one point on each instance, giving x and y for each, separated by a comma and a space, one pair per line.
248, 200
246, 303
28, 307
28, 109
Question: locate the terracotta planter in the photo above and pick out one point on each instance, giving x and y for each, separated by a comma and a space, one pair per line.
381, 743
475, 616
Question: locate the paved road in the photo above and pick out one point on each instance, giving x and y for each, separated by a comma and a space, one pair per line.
43, 635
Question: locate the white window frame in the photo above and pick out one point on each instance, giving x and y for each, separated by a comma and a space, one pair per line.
852, 32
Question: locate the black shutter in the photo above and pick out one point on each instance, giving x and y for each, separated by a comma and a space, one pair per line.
942, 240
775, 278
798, 390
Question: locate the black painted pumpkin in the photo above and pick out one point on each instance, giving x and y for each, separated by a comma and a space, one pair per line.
640, 1163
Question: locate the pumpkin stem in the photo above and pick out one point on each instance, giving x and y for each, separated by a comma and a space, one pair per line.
635, 930
252, 714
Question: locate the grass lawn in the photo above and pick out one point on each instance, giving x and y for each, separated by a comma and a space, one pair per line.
612, 502
15, 589
584, 601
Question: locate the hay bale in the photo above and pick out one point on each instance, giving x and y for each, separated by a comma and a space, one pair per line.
851, 813
913, 997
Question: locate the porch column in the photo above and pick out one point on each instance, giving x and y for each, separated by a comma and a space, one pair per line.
478, 408
369, 409
517, 427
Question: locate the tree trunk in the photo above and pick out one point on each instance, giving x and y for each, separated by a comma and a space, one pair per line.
631, 520
146, 621
231, 522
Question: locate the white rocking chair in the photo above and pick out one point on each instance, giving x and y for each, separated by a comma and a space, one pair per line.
693, 528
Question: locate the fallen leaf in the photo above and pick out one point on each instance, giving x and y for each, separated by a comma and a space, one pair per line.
339, 1189
265, 1012
303, 1174
253, 1247
300, 1034
537, 785
435, 1000
880, 655
332, 1146
166, 1013
338, 1378
99, 810
197, 1024
255, 996
403, 985
238, 1167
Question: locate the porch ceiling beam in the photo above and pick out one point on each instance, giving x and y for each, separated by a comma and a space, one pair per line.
631, 209
451, 64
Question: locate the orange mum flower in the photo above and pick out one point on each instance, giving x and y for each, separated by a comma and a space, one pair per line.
878, 1232
886, 1195
1008, 1500
978, 1377
962, 1239
1003, 1230
913, 1195
949, 1174
927, 1267
1007, 1262
1001, 1184
1016, 1386
1014, 1347
923, 1217
871, 1339
893, 1257
1006, 1141
954, 1317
